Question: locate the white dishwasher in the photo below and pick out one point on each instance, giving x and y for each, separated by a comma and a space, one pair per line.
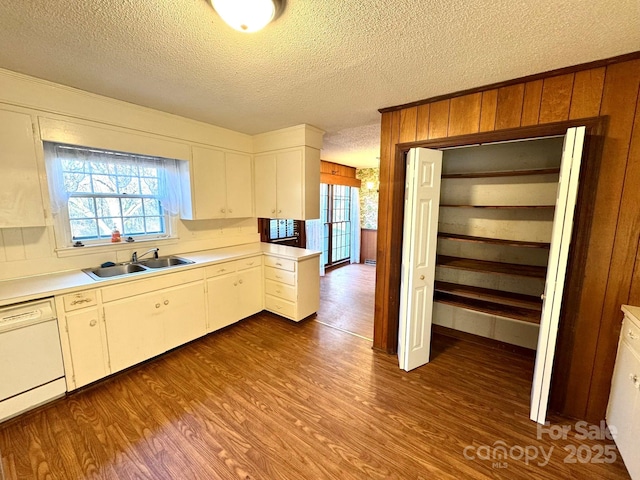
31, 369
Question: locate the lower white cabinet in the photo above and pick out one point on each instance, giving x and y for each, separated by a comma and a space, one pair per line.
147, 324
623, 412
83, 338
292, 287
234, 291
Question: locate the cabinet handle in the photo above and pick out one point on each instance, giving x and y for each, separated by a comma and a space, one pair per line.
82, 300
230, 211
157, 305
250, 263
542, 297
632, 335
240, 281
93, 323
222, 210
235, 284
278, 291
278, 277
278, 264
421, 277
166, 302
222, 270
273, 210
279, 211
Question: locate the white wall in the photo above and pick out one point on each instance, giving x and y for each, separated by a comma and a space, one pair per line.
31, 251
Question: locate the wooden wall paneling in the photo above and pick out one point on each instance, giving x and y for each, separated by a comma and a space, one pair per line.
556, 98
488, 111
408, 124
531, 103
509, 108
422, 127
634, 293
464, 114
587, 93
439, 119
621, 85
389, 133
620, 275
368, 244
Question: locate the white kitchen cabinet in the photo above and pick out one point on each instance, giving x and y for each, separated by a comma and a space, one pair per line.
216, 184
287, 184
234, 291
83, 338
623, 412
20, 196
292, 287
148, 317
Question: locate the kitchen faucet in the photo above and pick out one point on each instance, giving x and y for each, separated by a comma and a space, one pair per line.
135, 257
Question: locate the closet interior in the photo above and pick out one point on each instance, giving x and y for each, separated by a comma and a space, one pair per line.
496, 215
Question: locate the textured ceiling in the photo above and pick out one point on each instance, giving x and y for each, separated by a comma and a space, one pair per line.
329, 63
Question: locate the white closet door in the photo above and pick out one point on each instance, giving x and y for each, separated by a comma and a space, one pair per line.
420, 235
556, 271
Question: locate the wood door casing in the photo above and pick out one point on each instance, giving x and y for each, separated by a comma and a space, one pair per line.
604, 271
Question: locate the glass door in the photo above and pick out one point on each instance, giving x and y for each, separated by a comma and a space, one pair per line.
335, 213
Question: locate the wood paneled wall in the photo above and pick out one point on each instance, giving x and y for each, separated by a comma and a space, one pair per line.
337, 174
610, 275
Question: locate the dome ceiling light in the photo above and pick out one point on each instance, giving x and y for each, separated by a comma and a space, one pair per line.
247, 15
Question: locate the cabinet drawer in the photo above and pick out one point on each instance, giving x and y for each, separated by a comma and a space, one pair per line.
74, 301
280, 276
280, 290
250, 262
280, 306
280, 263
220, 269
631, 334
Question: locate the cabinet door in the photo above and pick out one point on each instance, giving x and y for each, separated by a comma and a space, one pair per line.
223, 301
88, 352
250, 292
265, 186
134, 329
239, 186
208, 183
183, 311
623, 401
289, 185
20, 198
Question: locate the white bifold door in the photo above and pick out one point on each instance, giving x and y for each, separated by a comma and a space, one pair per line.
422, 200
420, 237
556, 271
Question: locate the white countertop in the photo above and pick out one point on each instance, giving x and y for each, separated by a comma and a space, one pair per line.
632, 311
40, 286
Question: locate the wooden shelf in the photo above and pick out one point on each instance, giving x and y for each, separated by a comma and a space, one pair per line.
493, 241
501, 206
507, 311
491, 267
501, 297
503, 173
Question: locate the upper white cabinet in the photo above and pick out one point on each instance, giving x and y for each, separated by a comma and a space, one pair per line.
287, 184
20, 196
216, 184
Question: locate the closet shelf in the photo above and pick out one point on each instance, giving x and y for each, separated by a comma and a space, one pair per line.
493, 241
507, 311
501, 297
500, 206
491, 267
503, 173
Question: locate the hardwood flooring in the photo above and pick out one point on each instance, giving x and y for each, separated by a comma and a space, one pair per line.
271, 399
347, 299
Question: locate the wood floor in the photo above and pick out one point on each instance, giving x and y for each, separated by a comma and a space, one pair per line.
347, 298
271, 399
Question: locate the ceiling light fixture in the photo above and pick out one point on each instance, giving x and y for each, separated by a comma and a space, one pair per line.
247, 15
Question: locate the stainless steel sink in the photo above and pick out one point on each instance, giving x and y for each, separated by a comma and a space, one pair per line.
134, 268
163, 262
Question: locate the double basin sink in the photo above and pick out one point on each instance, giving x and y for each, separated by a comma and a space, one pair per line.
129, 268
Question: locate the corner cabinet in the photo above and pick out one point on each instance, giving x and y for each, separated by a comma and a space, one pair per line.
287, 183
216, 184
292, 287
21, 202
623, 412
